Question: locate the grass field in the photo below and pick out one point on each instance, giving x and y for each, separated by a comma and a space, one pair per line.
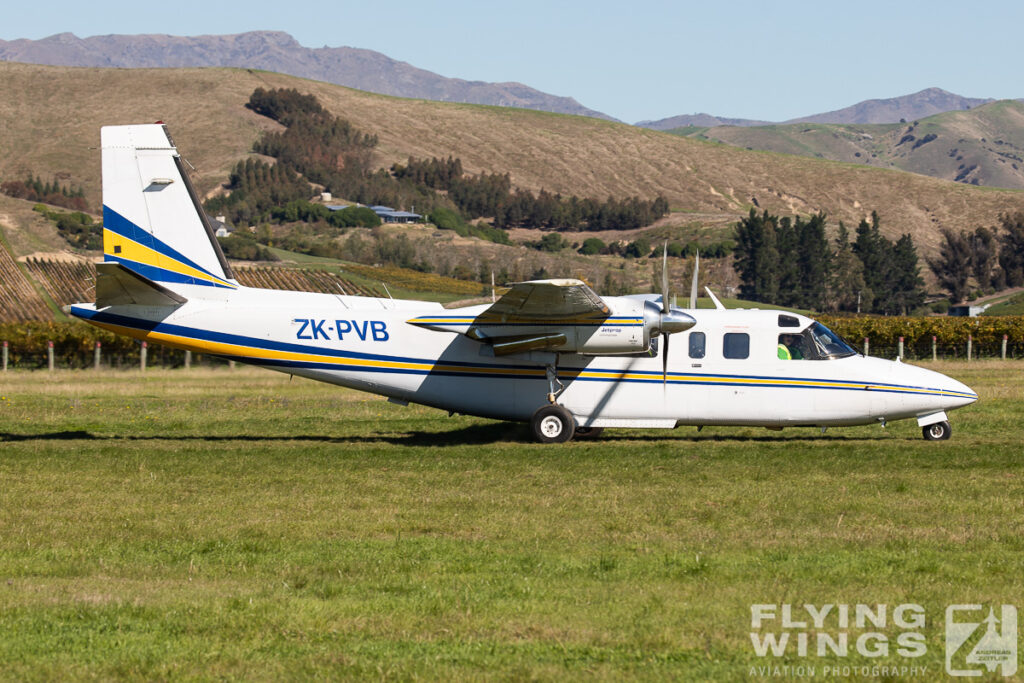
235, 524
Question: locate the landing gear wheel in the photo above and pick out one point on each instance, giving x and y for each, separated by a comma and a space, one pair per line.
588, 432
939, 431
552, 424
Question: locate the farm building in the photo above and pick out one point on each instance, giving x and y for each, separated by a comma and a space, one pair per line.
389, 215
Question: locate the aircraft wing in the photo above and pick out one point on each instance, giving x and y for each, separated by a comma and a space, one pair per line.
545, 302
533, 315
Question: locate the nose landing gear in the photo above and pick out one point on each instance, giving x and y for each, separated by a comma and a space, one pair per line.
938, 431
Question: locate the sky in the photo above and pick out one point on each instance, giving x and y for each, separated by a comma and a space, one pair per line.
646, 60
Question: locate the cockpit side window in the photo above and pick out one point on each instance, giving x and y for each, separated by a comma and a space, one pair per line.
788, 321
793, 346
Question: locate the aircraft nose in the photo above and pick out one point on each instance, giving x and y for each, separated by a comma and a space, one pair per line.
934, 390
957, 393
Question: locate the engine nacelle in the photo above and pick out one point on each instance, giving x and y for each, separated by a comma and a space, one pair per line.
631, 328
627, 326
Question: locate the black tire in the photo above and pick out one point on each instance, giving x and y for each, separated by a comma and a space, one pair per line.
588, 433
938, 431
552, 424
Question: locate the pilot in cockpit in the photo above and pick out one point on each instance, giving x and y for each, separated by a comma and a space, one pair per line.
789, 347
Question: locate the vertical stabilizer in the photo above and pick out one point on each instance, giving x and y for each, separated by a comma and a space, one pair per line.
152, 221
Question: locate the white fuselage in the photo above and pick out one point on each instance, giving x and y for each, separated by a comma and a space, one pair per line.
367, 344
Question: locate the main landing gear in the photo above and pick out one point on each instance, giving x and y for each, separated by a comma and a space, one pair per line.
939, 431
553, 423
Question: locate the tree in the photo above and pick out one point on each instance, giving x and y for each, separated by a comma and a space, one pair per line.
875, 254
813, 262
952, 267
757, 258
641, 248
591, 246
985, 258
846, 280
908, 287
787, 243
552, 242
1011, 248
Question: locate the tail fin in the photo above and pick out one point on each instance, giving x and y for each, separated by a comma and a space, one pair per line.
152, 221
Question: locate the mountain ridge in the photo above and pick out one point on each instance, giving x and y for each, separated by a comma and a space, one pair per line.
279, 52
709, 186
981, 146
921, 104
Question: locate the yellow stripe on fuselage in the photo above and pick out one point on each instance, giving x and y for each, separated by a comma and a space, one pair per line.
256, 354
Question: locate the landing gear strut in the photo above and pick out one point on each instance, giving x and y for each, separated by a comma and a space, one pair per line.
553, 423
555, 387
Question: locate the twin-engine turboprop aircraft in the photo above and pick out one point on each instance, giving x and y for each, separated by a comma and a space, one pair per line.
550, 352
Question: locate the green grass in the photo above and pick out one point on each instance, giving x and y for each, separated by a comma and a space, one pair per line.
1011, 305
235, 524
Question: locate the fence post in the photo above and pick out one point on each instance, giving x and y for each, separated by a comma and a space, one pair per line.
49, 355
934, 350
5, 356
970, 340
96, 353
231, 364
900, 353
1003, 355
188, 360
142, 357
866, 346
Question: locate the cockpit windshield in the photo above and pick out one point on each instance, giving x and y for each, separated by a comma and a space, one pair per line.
826, 344
816, 342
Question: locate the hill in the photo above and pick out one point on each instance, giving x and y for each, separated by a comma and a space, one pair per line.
52, 115
700, 120
981, 146
278, 51
891, 110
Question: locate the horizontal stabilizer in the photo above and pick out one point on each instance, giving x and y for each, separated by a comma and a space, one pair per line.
118, 285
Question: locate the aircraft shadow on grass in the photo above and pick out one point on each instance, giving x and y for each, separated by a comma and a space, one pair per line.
470, 435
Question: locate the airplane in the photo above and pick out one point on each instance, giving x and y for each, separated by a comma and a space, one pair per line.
552, 353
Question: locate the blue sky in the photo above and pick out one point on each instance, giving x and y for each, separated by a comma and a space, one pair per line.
763, 60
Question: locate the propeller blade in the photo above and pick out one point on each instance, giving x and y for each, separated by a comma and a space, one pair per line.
664, 277
664, 361
693, 287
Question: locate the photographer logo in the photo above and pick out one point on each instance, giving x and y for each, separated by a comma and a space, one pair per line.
979, 643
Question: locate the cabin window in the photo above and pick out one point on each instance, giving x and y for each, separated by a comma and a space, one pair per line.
736, 345
697, 344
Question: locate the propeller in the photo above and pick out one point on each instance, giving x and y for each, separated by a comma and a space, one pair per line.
669, 321
665, 310
693, 286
